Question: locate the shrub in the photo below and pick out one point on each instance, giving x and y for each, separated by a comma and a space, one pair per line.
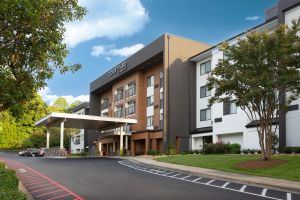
289, 150
153, 152
171, 149
234, 148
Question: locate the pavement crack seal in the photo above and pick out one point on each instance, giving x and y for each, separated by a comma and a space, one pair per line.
226, 186
39, 185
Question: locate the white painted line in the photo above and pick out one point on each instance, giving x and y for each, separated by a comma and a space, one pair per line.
169, 173
243, 188
209, 182
175, 175
201, 183
22, 170
197, 179
224, 186
264, 192
288, 196
185, 177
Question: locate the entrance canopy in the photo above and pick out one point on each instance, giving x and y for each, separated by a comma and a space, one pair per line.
89, 122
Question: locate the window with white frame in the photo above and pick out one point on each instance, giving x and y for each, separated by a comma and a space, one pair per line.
130, 110
119, 111
229, 108
204, 91
119, 94
150, 101
149, 121
130, 89
205, 67
150, 81
205, 114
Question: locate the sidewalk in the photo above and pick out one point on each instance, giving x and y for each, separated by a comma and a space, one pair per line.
272, 183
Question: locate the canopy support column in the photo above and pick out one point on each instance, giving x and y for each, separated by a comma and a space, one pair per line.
48, 138
126, 141
62, 124
121, 138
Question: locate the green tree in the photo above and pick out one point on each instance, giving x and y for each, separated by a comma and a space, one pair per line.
256, 75
74, 104
31, 46
15, 129
60, 104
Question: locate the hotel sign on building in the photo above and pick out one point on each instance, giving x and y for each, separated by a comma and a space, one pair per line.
121, 68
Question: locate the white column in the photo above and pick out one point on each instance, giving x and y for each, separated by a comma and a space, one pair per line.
62, 124
100, 146
121, 138
114, 145
126, 141
48, 139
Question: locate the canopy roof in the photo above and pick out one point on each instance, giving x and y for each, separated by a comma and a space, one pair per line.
89, 122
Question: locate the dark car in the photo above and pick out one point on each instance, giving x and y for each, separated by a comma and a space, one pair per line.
31, 152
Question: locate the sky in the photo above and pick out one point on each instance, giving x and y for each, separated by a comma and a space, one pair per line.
115, 29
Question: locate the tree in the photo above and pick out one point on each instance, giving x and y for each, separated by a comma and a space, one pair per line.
256, 75
31, 46
60, 104
15, 130
74, 104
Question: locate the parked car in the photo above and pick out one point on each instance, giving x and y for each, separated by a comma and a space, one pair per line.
31, 152
22, 153
41, 152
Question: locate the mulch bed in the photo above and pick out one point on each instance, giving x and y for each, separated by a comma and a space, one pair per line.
257, 164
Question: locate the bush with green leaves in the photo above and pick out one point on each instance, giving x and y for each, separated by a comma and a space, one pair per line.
171, 149
9, 185
289, 150
153, 152
234, 148
221, 148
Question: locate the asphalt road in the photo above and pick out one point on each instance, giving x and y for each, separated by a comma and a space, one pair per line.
104, 178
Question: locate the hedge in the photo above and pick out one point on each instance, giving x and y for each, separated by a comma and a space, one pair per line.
221, 148
9, 185
289, 150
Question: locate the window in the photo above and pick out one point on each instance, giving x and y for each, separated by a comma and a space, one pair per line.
161, 80
229, 108
204, 92
149, 121
205, 114
104, 103
119, 111
161, 120
119, 94
205, 67
150, 81
130, 89
77, 140
150, 101
130, 110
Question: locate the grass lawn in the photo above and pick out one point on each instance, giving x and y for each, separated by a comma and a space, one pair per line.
289, 170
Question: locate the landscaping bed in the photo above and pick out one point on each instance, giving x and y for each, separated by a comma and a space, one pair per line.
9, 185
281, 166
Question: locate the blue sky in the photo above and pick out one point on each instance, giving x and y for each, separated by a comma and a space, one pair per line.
115, 29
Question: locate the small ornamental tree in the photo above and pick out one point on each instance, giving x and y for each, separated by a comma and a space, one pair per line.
261, 75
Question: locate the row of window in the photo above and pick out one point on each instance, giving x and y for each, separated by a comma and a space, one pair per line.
129, 110
228, 109
150, 121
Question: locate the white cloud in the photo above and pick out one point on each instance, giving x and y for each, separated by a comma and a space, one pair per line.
49, 97
109, 50
252, 18
107, 19
126, 51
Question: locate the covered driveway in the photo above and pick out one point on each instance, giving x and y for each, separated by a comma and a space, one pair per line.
88, 122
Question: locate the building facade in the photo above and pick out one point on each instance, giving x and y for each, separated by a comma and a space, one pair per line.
151, 86
78, 139
225, 122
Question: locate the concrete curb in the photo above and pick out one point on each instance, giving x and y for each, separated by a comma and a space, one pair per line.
272, 183
25, 191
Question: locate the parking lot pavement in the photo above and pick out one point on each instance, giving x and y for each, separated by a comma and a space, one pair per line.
40, 186
241, 188
110, 179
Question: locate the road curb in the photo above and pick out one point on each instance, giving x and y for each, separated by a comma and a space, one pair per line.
25, 191
266, 182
